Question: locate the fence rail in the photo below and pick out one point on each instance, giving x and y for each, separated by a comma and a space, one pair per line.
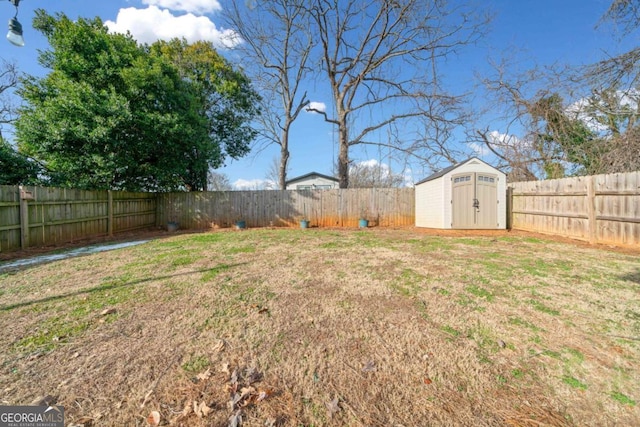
598, 209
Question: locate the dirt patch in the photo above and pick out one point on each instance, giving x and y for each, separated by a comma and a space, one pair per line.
287, 327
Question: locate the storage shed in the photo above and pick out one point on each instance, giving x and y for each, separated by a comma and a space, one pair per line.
468, 195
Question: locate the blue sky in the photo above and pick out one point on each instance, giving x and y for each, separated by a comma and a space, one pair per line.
529, 31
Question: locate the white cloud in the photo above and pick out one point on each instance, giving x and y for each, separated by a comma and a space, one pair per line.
479, 149
503, 138
313, 105
253, 184
199, 7
152, 24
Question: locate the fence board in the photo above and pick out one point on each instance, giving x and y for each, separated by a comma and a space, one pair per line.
600, 208
285, 208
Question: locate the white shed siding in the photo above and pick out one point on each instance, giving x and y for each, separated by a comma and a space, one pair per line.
433, 198
429, 204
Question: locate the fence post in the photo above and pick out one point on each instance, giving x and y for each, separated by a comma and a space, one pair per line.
25, 196
591, 208
109, 213
509, 207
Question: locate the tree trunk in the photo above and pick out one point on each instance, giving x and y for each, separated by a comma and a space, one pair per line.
343, 156
284, 160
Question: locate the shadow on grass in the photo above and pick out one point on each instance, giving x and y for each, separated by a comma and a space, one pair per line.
634, 276
115, 286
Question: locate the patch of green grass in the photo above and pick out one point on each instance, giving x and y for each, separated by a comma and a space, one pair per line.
50, 334
575, 356
443, 291
480, 292
521, 322
574, 383
484, 336
241, 250
622, 398
183, 261
517, 374
196, 364
450, 330
409, 283
207, 238
212, 273
543, 308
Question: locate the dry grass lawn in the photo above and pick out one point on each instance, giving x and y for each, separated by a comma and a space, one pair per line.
283, 327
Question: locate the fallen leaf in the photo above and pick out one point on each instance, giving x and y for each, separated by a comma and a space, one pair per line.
201, 410
154, 418
225, 368
263, 394
253, 376
427, 380
188, 406
370, 366
333, 407
219, 346
108, 311
236, 419
204, 375
244, 391
85, 421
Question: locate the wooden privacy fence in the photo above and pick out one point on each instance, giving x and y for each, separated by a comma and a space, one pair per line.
38, 216
278, 208
598, 209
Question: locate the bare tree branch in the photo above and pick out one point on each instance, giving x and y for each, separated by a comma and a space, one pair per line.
374, 56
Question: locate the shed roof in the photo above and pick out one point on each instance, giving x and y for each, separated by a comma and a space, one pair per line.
311, 175
446, 170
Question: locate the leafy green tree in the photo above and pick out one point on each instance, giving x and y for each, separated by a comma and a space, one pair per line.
15, 168
224, 96
113, 114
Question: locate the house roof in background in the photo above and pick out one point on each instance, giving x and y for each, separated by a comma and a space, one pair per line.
446, 170
311, 175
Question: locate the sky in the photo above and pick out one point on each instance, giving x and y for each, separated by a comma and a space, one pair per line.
533, 32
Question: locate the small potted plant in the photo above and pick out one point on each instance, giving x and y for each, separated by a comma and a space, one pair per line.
304, 222
363, 222
240, 223
172, 223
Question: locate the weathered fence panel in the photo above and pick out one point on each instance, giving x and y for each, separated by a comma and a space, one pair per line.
600, 208
9, 217
285, 208
50, 216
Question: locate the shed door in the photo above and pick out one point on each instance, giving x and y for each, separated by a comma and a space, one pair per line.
474, 201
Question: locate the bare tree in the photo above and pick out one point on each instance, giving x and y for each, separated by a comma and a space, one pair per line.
217, 181
272, 176
381, 61
373, 174
554, 127
8, 82
276, 52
